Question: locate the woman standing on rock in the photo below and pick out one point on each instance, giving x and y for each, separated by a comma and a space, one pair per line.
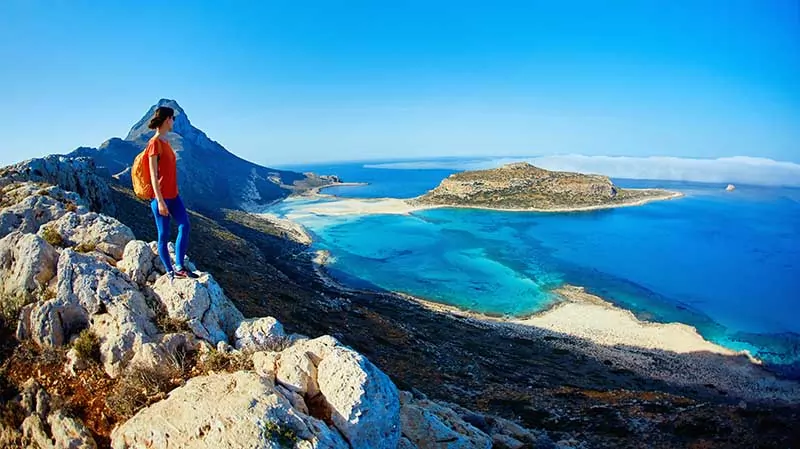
164, 178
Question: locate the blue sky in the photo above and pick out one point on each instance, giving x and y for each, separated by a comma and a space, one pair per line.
282, 82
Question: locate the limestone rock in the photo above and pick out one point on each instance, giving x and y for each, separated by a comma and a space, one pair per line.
77, 175
202, 304
74, 363
265, 363
296, 367
238, 410
27, 264
26, 207
150, 355
430, 425
137, 261
256, 334
364, 402
296, 371
69, 432
294, 398
91, 294
93, 230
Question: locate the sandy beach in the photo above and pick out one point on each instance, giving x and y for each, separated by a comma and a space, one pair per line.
397, 206
587, 324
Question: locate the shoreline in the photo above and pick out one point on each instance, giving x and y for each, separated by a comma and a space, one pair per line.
317, 191
588, 324
406, 206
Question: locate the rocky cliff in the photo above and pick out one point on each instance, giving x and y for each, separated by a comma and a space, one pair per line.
113, 353
210, 177
524, 186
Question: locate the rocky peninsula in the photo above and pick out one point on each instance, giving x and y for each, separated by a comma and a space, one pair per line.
522, 186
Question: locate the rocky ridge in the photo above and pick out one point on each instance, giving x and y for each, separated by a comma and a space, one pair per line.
522, 186
68, 273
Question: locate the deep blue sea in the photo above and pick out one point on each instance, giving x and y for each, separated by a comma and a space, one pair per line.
727, 263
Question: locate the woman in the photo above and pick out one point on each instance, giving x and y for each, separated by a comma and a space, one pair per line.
164, 178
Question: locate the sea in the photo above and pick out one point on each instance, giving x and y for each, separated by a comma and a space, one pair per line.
725, 262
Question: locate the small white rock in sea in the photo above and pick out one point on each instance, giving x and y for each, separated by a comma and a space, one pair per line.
730, 188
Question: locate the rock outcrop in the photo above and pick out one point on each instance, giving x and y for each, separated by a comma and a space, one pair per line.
523, 186
77, 175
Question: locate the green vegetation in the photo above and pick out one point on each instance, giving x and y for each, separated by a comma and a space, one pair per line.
84, 247
284, 437
52, 236
87, 345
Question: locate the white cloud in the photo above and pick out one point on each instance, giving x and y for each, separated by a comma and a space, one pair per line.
738, 169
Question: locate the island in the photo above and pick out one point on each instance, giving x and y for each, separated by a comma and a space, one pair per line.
522, 186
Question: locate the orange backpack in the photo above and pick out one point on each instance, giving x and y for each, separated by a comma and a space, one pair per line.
140, 175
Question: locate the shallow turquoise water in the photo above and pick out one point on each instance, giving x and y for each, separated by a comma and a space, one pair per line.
727, 263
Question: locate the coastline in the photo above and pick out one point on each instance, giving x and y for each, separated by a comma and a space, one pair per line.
400, 206
584, 323
317, 191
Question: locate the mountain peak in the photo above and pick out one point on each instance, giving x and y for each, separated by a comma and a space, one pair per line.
183, 126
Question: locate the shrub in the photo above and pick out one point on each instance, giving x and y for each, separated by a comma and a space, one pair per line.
222, 361
284, 437
44, 193
168, 325
140, 387
52, 236
84, 247
87, 345
71, 207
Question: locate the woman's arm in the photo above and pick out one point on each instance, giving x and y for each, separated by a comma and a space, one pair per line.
162, 206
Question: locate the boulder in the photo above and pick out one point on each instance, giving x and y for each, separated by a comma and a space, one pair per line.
430, 425
93, 231
231, 410
74, 363
297, 372
265, 363
201, 304
364, 403
296, 367
256, 334
27, 265
91, 294
138, 261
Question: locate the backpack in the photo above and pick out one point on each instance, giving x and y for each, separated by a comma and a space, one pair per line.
140, 176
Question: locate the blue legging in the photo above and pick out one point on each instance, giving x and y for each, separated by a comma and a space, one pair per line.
178, 212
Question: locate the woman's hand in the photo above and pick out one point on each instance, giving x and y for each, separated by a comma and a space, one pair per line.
162, 209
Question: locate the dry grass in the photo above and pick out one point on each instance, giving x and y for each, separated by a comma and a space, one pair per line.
168, 325
139, 387
222, 361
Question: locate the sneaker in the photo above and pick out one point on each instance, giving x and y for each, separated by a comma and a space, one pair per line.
183, 273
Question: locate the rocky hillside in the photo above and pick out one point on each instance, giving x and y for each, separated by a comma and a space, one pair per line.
524, 186
106, 347
210, 177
